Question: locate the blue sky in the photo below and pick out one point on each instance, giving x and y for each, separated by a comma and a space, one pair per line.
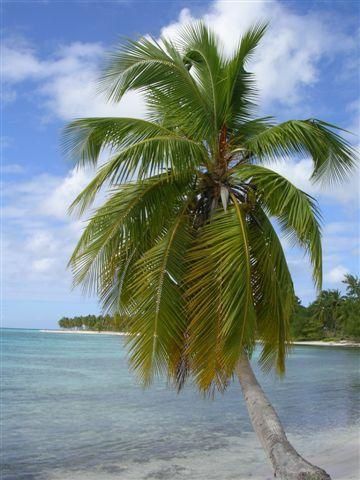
51, 52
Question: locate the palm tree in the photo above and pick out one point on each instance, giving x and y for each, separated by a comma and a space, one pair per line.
183, 244
352, 283
350, 307
327, 308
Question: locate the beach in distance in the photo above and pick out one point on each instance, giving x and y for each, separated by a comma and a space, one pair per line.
73, 411
315, 343
86, 332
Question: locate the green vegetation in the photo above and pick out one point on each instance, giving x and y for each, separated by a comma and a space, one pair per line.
100, 323
183, 244
331, 315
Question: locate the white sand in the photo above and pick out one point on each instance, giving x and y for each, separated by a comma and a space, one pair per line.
321, 343
317, 343
86, 332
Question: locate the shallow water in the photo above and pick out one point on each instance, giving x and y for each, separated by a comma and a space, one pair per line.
72, 410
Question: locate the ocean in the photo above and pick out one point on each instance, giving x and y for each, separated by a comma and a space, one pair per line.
71, 410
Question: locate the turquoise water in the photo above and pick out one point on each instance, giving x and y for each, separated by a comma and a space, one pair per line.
72, 410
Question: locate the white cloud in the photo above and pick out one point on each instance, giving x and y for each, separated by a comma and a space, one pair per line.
289, 56
66, 81
65, 192
41, 241
43, 264
20, 63
336, 274
44, 196
39, 235
287, 61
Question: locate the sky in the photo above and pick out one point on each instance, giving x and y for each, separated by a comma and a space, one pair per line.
307, 66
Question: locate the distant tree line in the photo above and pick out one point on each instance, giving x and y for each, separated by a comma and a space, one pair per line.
95, 322
331, 315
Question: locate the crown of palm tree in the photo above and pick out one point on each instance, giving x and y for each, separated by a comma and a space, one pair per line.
187, 249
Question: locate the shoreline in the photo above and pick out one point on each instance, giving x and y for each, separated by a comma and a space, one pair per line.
86, 332
322, 343
307, 343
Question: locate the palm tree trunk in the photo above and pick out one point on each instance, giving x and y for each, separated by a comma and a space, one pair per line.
286, 462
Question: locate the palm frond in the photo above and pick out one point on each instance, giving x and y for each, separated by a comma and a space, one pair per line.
297, 212
115, 293
158, 317
274, 295
132, 218
240, 88
333, 156
142, 148
251, 128
220, 298
204, 59
139, 144
146, 65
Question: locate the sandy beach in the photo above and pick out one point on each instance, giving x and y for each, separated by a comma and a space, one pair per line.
315, 343
86, 332
321, 343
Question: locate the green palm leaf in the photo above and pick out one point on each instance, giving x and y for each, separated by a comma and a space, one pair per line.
333, 157
241, 86
138, 147
146, 65
158, 315
274, 296
132, 218
220, 297
206, 66
296, 211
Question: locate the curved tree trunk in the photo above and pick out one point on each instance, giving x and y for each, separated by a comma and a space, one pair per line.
287, 463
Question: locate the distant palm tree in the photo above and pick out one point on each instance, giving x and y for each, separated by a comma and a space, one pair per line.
327, 308
184, 244
352, 283
350, 308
